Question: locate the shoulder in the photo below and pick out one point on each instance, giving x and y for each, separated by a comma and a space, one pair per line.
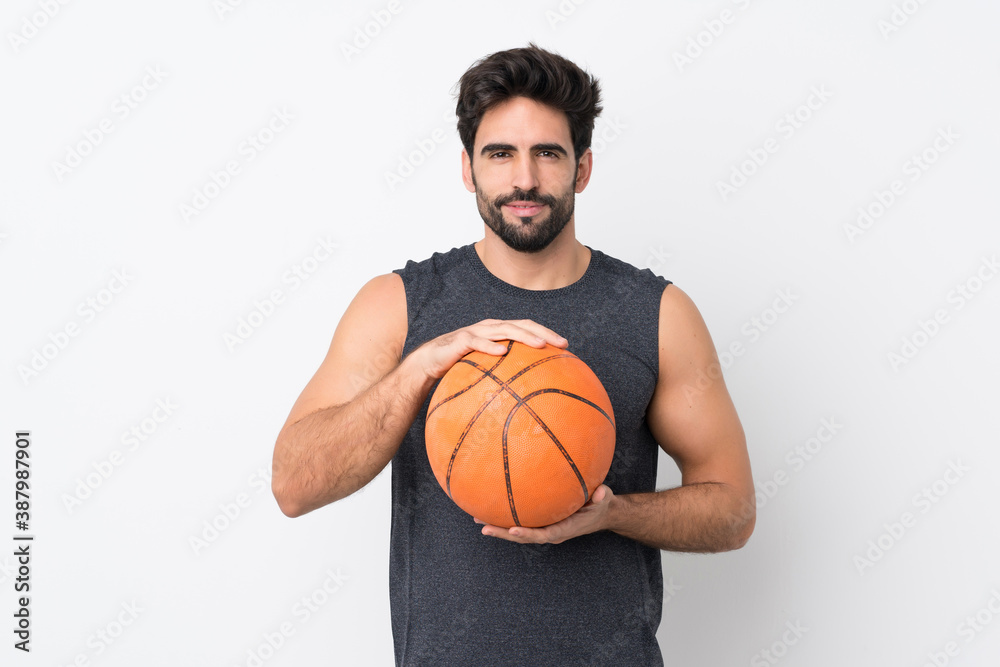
379, 309
422, 280
677, 308
626, 271
684, 338
673, 306
628, 284
437, 263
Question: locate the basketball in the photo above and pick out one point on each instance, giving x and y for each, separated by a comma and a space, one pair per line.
522, 439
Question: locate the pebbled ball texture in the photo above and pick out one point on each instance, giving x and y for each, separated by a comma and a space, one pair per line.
522, 439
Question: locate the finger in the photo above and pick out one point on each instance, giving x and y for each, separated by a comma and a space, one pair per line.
511, 534
472, 339
532, 335
488, 346
543, 332
530, 535
601, 493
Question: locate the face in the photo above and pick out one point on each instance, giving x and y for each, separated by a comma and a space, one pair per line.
524, 174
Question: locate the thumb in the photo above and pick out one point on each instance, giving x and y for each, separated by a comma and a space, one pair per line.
602, 494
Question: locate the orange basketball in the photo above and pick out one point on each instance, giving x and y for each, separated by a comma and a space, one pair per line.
522, 439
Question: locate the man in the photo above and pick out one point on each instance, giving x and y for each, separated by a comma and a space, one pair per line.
589, 588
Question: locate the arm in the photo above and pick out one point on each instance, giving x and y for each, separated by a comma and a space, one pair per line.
696, 424
352, 416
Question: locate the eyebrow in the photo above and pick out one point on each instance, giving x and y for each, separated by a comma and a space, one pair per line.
555, 148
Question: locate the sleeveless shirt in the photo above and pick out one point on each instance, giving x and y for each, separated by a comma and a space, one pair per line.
458, 597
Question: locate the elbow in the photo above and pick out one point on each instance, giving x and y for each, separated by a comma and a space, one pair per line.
284, 490
744, 531
287, 503
283, 482
743, 519
742, 535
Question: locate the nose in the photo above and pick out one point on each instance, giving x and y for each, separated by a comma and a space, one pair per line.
525, 176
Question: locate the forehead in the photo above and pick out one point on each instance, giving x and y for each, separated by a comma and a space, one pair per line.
520, 120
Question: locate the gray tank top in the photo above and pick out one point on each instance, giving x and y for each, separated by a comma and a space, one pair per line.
460, 598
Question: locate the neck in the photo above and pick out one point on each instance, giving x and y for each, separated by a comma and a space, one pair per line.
562, 263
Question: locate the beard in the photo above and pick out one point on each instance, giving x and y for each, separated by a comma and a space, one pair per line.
530, 234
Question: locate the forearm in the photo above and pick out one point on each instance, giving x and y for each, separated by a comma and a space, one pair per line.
333, 452
707, 518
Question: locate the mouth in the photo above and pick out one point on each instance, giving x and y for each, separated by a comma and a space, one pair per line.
523, 209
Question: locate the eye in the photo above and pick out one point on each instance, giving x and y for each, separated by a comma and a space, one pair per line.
553, 154
499, 153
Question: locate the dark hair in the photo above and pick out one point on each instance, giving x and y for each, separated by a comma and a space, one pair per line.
534, 73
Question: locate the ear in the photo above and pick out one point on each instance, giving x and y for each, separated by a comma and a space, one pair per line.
467, 172
585, 168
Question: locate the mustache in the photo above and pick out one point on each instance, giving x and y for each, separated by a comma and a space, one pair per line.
520, 195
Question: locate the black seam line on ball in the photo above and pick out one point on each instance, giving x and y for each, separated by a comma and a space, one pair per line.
506, 470
569, 459
482, 377
572, 395
465, 432
502, 386
482, 408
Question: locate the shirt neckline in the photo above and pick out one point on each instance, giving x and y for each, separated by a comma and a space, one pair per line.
484, 273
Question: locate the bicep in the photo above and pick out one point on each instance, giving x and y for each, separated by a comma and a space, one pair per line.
367, 344
691, 414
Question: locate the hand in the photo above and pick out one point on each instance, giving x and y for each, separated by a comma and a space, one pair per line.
590, 518
437, 356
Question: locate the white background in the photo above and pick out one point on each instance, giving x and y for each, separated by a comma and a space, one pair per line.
830, 553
